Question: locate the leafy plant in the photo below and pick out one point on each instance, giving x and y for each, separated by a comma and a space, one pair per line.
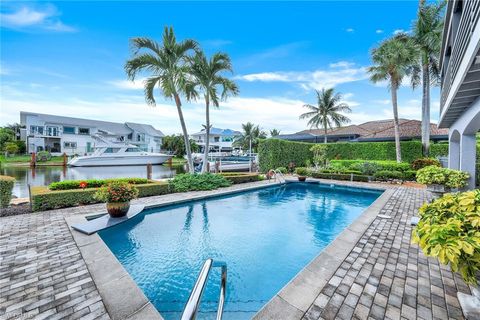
302, 171
319, 154
282, 170
386, 175
43, 156
425, 162
92, 183
11, 148
6, 186
367, 168
191, 182
116, 191
437, 175
449, 229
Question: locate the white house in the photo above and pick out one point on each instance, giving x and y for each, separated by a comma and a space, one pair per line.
220, 139
460, 90
59, 134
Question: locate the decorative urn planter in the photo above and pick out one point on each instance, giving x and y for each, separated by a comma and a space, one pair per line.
438, 189
118, 209
302, 178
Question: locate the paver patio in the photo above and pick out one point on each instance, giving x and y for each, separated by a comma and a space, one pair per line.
43, 275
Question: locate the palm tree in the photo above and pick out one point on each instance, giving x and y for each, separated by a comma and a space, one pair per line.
427, 34
394, 59
168, 65
327, 111
209, 82
251, 135
274, 132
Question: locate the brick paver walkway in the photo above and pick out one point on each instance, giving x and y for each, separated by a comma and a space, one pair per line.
42, 274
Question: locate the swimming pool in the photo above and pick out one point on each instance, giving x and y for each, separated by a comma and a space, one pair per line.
265, 236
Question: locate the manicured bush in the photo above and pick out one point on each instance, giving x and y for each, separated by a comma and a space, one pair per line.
191, 182
425, 162
237, 178
6, 186
366, 168
274, 153
409, 175
448, 177
92, 183
439, 150
116, 191
385, 175
380, 165
449, 229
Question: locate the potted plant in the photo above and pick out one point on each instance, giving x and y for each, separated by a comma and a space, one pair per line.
117, 195
441, 180
301, 173
449, 229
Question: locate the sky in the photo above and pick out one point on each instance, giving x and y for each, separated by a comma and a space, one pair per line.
67, 58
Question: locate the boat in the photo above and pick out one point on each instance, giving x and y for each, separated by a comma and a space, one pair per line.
118, 154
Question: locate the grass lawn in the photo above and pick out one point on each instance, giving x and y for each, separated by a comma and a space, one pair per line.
176, 160
25, 160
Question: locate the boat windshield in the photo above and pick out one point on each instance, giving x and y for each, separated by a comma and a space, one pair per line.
133, 150
111, 150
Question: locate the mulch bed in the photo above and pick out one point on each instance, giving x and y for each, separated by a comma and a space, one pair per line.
15, 210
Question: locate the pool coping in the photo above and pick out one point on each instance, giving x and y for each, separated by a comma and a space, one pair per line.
296, 297
108, 274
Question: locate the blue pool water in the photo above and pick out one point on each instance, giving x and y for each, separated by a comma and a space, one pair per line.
265, 236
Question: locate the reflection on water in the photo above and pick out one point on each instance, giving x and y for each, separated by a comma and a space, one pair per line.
43, 176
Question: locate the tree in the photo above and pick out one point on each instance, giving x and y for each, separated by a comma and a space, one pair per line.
11, 148
393, 60
176, 144
209, 82
427, 34
327, 111
6, 135
274, 132
250, 132
168, 65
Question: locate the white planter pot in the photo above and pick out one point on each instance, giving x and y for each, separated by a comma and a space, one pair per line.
470, 304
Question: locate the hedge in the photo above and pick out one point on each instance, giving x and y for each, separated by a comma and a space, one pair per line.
274, 153
45, 199
388, 165
6, 186
92, 183
237, 178
340, 176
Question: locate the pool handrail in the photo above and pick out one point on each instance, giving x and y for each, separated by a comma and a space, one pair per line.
279, 174
193, 303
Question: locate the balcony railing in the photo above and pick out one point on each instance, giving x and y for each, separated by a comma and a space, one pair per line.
468, 20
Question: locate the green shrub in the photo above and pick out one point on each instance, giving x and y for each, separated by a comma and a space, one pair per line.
439, 150
43, 156
425, 162
11, 148
448, 177
366, 168
409, 175
274, 153
449, 229
191, 182
385, 175
92, 183
6, 186
302, 171
385, 165
116, 191
282, 170
339, 176
237, 178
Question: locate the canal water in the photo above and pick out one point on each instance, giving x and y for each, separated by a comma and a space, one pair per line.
43, 176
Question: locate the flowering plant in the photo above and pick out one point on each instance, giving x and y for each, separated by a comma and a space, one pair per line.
116, 192
83, 184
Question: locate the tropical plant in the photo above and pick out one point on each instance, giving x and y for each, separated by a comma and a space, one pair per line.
169, 67
6, 135
176, 144
116, 191
251, 133
274, 133
192, 182
393, 60
449, 229
327, 112
302, 171
209, 82
427, 35
425, 162
11, 148
443, 176
319, 155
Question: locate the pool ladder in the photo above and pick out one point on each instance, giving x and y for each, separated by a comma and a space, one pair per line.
279, 175
193, 303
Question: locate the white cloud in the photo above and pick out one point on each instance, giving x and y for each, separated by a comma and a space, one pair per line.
350, 30
341, 64
410, 109
127, 84
308, 80
379, 31
384, 102
27, 18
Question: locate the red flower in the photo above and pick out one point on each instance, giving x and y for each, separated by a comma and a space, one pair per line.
83, 184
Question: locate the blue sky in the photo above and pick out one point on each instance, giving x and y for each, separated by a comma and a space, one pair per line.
67, 58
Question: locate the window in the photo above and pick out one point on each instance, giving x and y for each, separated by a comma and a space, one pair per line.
216, 139
111, 150
70, 145
85, 131
133, 150
69, 130
130, 136
141, 137
52, 131
227, 139
36, 130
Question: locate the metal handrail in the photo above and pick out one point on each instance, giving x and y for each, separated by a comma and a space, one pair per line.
280, 175
193, 303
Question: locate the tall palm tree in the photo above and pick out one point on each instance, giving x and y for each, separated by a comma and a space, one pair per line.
250, 133
394, 59
209, 82
168, 65
427, 34
274, 132
326, 113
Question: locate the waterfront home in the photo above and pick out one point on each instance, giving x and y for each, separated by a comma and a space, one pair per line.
371, 131
58, 134
460, 86
220, 139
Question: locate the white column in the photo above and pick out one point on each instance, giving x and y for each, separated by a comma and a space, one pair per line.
468, 150
454, 154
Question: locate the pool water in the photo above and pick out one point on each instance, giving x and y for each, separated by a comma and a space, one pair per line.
265, 236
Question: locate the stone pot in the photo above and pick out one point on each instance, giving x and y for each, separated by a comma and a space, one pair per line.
118, 209
302, 178
437, 189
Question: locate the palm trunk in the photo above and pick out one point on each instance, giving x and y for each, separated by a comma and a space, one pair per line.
185, 134
325, 140
395, 123
207, 134
426, 109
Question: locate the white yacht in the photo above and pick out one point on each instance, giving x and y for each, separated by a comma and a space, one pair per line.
118, 154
